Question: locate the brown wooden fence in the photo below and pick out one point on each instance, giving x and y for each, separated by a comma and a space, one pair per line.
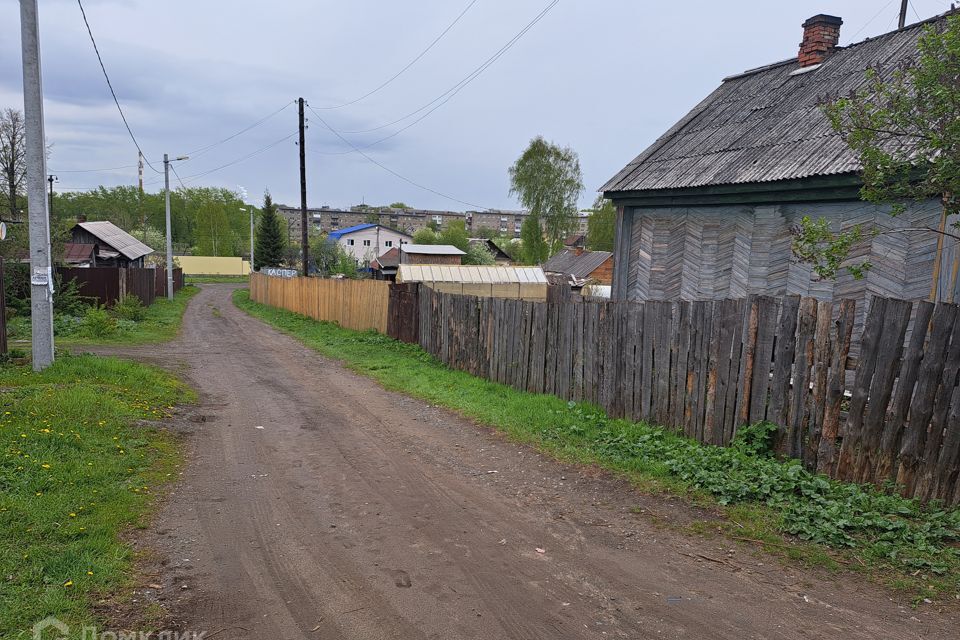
108, 284
354, 304
707, 367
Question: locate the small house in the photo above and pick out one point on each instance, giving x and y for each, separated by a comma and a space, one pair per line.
706, 211
430, 254
113, 247
385, 266
79, 255
578, 267
365, 242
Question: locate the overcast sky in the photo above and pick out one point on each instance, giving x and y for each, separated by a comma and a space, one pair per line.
605, 77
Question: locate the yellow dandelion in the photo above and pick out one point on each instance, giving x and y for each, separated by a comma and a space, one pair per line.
68, 583
45, 466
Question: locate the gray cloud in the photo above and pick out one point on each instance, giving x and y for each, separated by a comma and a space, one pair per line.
604, 76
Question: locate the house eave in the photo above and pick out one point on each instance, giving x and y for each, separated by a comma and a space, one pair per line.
813, 189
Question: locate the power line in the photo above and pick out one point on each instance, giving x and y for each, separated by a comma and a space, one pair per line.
870, 21
110, 85
129, 166
391, 171
455, 89
410, 64
202, 150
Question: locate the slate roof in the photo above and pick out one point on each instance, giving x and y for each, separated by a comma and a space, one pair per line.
478, 274
578, 266
115, 237
432, 249
766, 124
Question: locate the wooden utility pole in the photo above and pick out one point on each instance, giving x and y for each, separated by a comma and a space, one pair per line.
304, 249
903, 13
51, 179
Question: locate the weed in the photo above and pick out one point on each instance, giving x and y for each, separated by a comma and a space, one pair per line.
130, 307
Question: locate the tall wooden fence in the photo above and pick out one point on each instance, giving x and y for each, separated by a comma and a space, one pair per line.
353, 304
707, 367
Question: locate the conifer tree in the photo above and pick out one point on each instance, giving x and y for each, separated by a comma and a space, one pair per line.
269, 250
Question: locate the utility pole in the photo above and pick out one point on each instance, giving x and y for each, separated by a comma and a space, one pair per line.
41, 272
143, 213
51, 179
903, 13
251, 240
304, 249
166, 197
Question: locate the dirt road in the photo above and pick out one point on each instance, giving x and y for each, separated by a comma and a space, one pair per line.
317, 505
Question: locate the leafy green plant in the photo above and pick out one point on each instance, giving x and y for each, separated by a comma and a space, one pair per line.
97, 323
67, 299
129, 307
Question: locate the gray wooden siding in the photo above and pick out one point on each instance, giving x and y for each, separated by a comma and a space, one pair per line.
716, 252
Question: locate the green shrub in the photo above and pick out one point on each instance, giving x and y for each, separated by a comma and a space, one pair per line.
66, 325
67, 299
129, 307
97, 323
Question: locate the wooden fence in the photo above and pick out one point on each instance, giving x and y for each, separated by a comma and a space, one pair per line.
353, 304
707, 367
108, 284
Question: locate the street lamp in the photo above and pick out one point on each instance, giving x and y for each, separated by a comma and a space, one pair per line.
166, 189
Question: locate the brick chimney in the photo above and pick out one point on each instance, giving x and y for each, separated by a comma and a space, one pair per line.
821, 33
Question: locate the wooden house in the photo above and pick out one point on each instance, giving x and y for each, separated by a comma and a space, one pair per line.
706, 211
113, 247
430, 254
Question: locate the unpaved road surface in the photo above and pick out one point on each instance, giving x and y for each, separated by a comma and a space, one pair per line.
359, 513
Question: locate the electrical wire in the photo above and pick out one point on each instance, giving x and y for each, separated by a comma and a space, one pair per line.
410, 64
129, 166
394, 173
870, 21
110, 85
202, 150
241, 159
452, 91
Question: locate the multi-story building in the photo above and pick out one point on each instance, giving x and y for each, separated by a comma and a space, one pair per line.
327, 219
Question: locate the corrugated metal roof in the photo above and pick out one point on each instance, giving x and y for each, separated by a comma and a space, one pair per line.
336, 235
117, 238
480, 274
432, 249
77, 252
767, 124
579, 266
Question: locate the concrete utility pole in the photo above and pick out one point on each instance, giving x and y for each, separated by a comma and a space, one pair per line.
41, 272
304, 248
251, 240
166, 197
903, 13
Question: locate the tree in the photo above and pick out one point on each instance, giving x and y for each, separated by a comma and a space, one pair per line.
399, 205
601, 225
12, 160
425, 236
535, 249
905, 129
269, 249
548, 182
478, 253
331, 258
456, 235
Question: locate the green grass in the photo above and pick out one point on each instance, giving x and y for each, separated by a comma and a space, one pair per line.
76, 472
218, 279
160, 323
759, 501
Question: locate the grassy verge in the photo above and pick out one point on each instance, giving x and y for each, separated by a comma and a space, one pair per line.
76, 472
217, 279
761, 500
159, 322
